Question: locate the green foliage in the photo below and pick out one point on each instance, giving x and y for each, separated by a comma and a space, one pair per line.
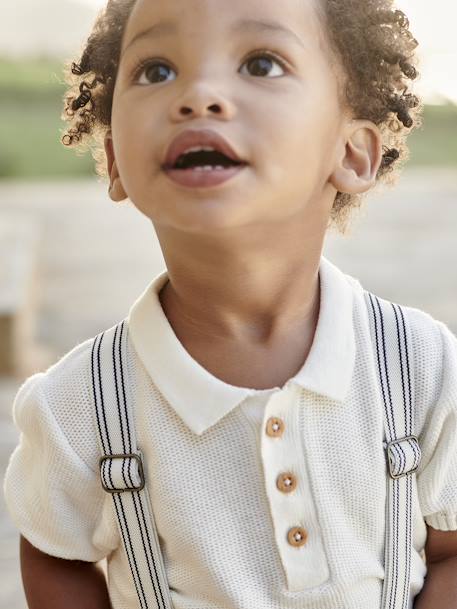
32, 76
31, 94
436, 142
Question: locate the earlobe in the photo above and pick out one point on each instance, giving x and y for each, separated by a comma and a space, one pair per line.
116, 190
356, 170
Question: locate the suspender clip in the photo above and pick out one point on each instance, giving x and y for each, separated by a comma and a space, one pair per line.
122, 473
403, 456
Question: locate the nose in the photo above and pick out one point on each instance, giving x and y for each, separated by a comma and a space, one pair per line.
202, 101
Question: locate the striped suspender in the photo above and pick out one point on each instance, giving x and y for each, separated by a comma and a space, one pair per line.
121, 468
393, 352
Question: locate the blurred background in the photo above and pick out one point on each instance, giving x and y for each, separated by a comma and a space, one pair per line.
72, 262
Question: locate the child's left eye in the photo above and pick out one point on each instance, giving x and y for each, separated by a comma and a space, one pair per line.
148, 71
262, 60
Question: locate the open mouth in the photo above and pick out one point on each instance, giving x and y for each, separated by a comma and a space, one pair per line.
203, 169
204, 160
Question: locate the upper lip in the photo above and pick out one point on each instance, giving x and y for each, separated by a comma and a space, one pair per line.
198, 137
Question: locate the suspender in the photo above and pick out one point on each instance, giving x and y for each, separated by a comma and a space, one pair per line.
121, 468
391, 337
122, 474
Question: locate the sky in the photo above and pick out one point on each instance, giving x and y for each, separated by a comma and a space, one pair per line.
432, 23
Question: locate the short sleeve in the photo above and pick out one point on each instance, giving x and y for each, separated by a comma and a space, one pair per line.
53, 496
437, 474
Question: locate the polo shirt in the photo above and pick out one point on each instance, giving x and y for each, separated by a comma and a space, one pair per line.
263, 499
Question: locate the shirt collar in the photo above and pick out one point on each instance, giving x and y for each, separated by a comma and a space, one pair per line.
199, 398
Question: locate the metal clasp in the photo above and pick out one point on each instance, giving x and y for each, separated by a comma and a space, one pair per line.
407, 448
137, 458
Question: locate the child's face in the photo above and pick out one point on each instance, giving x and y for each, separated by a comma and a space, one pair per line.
287, 123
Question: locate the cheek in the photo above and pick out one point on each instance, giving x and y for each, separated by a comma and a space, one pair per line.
293, 122
135, 147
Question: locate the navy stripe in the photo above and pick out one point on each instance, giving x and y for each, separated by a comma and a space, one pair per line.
408, 543
409, 482
117, 400
395, 447
397, 485
411, 411
388, 407
399, 339
400, 351
143, 603
388, 567
152, 553
118, 498
102, 404
123, 389
94, 386
377, 341
149, 555
384, 377
116, 385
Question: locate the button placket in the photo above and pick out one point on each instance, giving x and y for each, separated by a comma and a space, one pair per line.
286, 482
287, 485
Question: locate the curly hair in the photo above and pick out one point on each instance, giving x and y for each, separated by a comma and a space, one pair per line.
368, 39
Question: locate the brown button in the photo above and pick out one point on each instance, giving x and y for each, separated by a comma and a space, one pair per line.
275, 427
286, 482
297, 536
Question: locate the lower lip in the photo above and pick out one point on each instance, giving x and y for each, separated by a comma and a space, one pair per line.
195, 178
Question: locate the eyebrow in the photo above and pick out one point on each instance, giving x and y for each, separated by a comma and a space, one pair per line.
170, 28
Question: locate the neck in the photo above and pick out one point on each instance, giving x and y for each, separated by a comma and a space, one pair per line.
256, 292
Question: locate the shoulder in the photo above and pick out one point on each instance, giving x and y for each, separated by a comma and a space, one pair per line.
433, 346
59, 402
69, 373
431, 339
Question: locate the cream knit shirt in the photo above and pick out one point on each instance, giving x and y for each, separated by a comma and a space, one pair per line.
212, 468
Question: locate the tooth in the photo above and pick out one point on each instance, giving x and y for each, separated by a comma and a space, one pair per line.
198, 148
207, 167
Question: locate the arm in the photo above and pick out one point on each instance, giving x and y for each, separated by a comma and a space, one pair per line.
440, 586
55, 583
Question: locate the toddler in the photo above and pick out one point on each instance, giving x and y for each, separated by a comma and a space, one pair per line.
243, 130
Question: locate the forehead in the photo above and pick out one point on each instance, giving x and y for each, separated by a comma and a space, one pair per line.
298, 21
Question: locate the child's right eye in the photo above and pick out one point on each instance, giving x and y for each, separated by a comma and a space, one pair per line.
151, 70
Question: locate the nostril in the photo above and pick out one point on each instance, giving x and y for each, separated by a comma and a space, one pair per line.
185, 110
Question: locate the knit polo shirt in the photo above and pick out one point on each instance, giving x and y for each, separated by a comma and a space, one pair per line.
221, 461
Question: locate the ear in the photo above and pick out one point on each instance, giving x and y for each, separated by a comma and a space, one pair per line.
116, 189
360, 159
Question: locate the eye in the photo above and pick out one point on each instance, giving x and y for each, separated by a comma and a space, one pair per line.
261, 63
149, 72
153, 71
